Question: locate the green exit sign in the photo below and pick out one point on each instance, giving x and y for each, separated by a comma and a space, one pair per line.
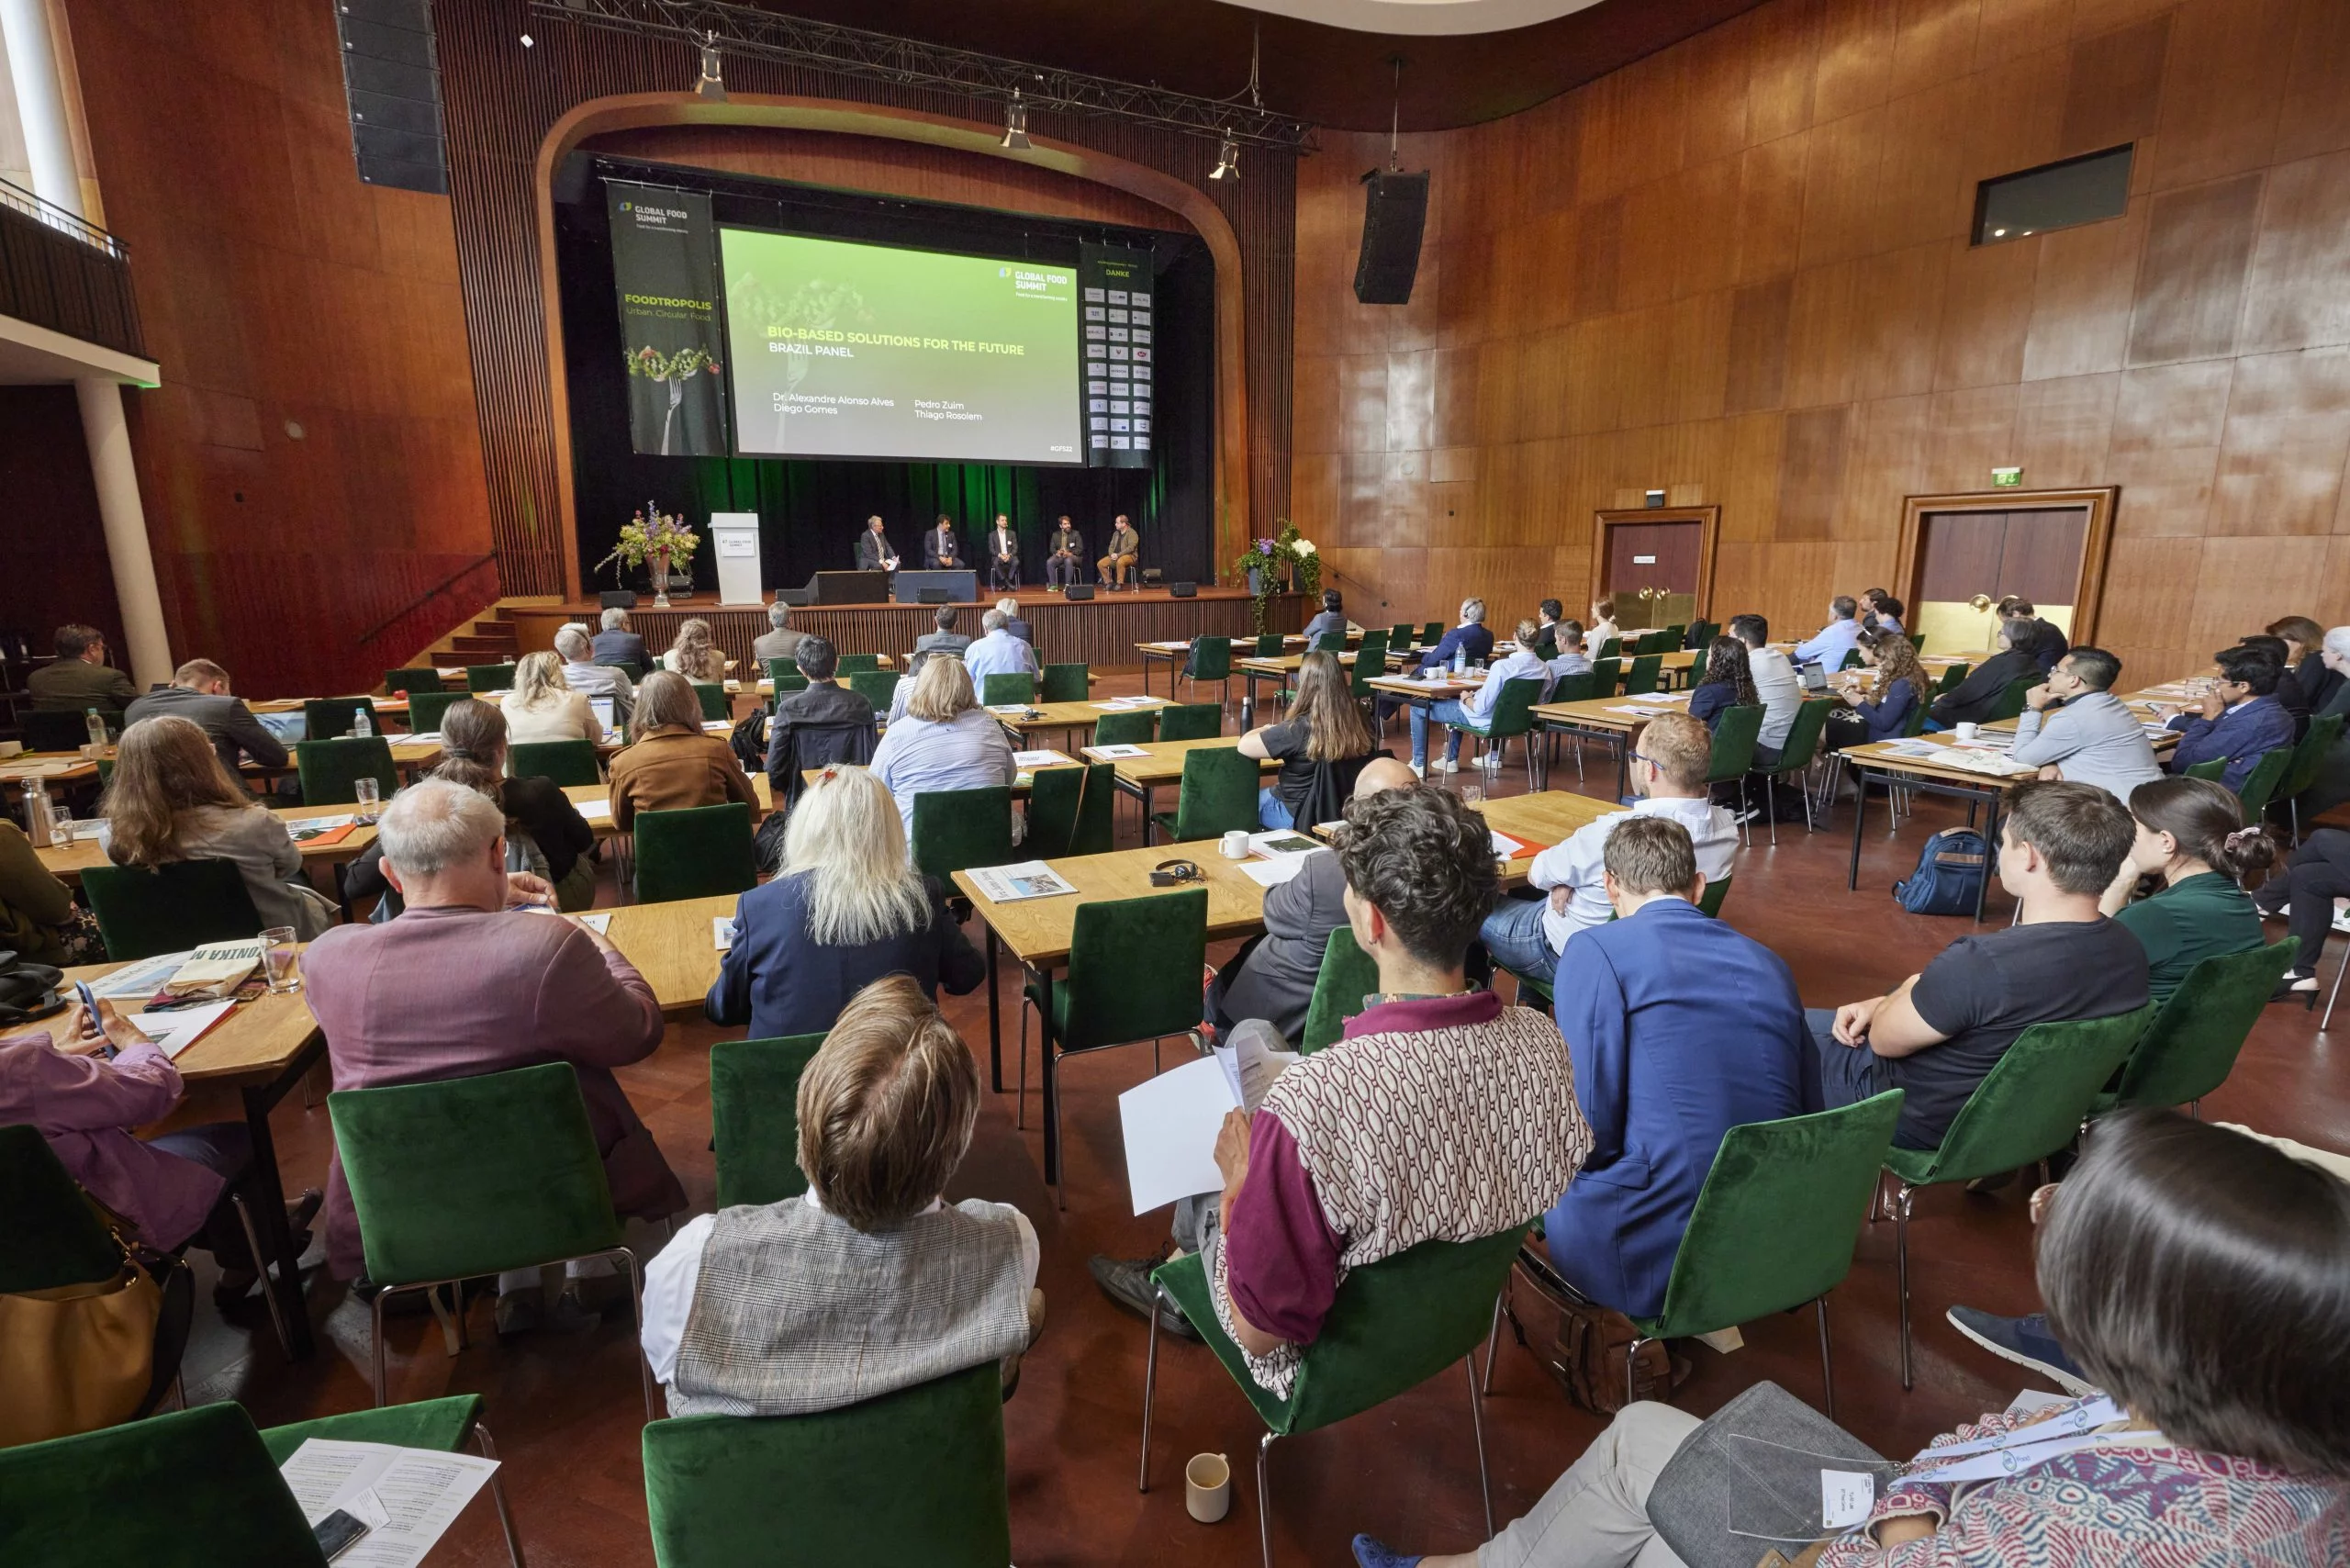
2008, 478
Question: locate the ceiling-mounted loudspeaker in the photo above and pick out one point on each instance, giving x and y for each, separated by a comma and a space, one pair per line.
1395, 209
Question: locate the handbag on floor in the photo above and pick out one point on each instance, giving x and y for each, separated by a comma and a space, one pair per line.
1744, 1490
80, 1357
1581, 1343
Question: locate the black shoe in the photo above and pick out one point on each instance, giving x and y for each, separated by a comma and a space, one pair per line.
1127, 1282
2302, 989
1991, 1183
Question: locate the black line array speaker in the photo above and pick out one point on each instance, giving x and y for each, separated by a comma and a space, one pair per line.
1395, 209
931, 595
1078, 590
618, 599
393, 87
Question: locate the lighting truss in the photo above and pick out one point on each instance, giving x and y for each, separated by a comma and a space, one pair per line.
745, 30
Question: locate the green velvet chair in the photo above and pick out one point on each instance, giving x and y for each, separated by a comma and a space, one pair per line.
1609, 647
1804, 732
1070, 812
1918, 644
2309, 762
442, 1426
1005, 690
1066, 683
1371, 653
408, 682
2213, 770
1607, 674
1953, 675
2010, 702
2191, 1046
1211, 659
1137, 726
696, 853
1346, 976
566, 765
956, 829
328, 718
489, 677
1853, 660
784, 675
1717, 893
1191, 721
1645, 675
715, 703
1329, 643
1732, 752
1133, 974
427, 709
331, 770
1432, 633
1218, 794
1270, 645
754, 1118
477, 1176
629, 668
1401, 636
2029, 1106
1395, 1325
2260, 784
168, 909
915, 1476
877, 687
852, 663
1512, 718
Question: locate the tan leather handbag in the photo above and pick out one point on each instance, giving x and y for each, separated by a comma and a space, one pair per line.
76, 1357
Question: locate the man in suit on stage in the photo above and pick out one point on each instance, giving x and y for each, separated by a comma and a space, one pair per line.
1003, 555
940, 552
1064, 555
1126, 545
873, 552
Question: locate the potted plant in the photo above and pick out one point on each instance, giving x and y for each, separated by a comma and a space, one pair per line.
1287, 560
665, 542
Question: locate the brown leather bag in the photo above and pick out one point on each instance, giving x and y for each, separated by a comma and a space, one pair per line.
1582, 1344
77, 1358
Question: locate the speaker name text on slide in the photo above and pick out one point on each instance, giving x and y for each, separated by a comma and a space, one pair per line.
846, 349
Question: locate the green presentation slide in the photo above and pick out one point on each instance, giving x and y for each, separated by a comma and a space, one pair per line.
842, 349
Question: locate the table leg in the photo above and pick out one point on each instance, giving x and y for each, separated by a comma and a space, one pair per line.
1146, 661
1990, 850
1149, 824
1860, 815
270, 1192
995, 1018
1045, 1044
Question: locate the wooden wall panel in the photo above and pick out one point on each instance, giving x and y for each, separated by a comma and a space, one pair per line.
1740, 274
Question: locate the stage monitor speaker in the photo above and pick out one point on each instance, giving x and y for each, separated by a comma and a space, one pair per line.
618, 599
1183, 590
1078, 590
391, 85
932, 596
1152, 576
1395, 209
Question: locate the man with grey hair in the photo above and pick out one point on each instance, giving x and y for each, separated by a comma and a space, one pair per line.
998, 652
475, 976
1469, 639
616, 645
1012, 622
781, 641
583, 674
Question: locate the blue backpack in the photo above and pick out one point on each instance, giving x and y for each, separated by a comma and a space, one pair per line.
1949, 878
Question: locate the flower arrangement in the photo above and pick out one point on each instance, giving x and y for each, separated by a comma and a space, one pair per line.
1268, 563
664, 540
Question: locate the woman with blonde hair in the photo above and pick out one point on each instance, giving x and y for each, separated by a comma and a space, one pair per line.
846, 908
675, 763
693, 654
947, 741
542, 707
171, 799
1322, 737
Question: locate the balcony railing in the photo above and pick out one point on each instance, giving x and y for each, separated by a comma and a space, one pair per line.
66, 274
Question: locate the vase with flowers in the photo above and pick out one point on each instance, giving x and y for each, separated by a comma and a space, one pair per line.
1268, 566
664, 540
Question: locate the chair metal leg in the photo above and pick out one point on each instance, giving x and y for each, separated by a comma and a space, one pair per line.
1053, 1109
636, 1299
1020, 1112
261, 1266
1493, 1344
1477, 1425
1826, 1366
1901, 1269
1771, 799
1632, 1365
497, 1495
2336, 995
179, 1391
1265, 1498
378, 1307
1149, 1388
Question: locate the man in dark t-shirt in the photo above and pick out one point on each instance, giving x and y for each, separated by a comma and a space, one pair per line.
1939, 1033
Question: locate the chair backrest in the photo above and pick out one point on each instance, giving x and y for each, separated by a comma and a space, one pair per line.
408, 682
2260, 784
565, 764
876, 685
2308, 756
427, 709
956, 829
1346, 976
1852, 659
2010, 702
784, 675
632, 668
1133, 968
696, 852
914, 1476
1330, 642
2191, 1046
1268, 645
754, 1118
1609, 647
1432, 632
143, 911
1397, 1323
1513, 711
1581, 688
1674, 633
715, 704
1219, 793
1191, 721
1953, 675
1918, 644
1066, 683
1211, 658
851, 664
324, 718
1913, 723
331, 770
1804, 731
53, 1237
1775, 1221
2212, 769
1661, 641
820, 746
1133, 727
472, 1175
192, 1488
1735, 728
1056, 796
2032, 1102
1642, 679
1400, 636
1606, 672
998, 691
1710, 901
489, 677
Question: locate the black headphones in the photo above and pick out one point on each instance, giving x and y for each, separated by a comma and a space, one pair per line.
1169, 873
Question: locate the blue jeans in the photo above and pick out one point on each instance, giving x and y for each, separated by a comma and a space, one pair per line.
1448, 711
1848, 1074
1273, 812
1513, 934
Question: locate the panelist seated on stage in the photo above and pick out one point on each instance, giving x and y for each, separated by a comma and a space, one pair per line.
946, 639
874, 553
200, 693
941, 552
616, 644
1064, 554
998, 652
1126, 548
1003, 555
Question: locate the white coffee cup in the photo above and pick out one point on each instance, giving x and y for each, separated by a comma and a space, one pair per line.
1207, 1487
1968, 731
1234, 845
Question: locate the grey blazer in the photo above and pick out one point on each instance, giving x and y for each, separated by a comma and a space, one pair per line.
226, 719
2093, 739
1274, 981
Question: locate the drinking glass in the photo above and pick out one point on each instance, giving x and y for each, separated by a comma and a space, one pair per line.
367, 807
281, 956
1472, 794
61, 827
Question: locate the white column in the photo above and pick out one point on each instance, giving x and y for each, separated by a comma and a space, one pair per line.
108, 435
40, 102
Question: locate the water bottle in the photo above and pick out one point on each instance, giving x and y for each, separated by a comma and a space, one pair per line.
1459, 659
96, 726
362, 725
39, 819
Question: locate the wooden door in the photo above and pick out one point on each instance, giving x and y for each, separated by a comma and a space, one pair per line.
1655, 568
1966, 558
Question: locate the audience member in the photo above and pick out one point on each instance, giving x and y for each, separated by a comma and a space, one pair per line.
1441, 1114
1571, 658
672, 762
1727, 683
1939, 1033
40, 922
946, 639
1775, 682
1975, 699
1333, 618
998, 652
544, 707
902, 689
1013, 623
1064, 555
2240, 719
2305, 647
941, 550
465, 984
1321, 743
1546, 628
694, 655
589, 679
870, 1281
616, 643
2191, 835
1602, 630
2289, 695
80, 679
822, 723
1900, 687
1836, 639
2073, 727
2318, 874
1272, 977
947, 741
1126, 548
171, 799
1881, 610
1470, 639
2048, 641
1476, 709
845, 908
780, 641
2190, 1271
200, 693
1671, 758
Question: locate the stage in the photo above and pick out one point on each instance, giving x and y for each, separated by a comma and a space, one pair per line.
1101, 632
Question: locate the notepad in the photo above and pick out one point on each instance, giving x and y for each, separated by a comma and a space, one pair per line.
1112, 753
1036, 759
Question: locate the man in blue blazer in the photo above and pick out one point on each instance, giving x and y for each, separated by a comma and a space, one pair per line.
2240, 720
1680, 1028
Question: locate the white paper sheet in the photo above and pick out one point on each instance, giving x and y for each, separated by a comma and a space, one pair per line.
601, 924
178, 1029
1112, 753
418, 1491
1034, 759
1249, 1068
1022, 880
1273, 873
596, 810
1845, 1497
1170, 1123
1504, 845
722, 932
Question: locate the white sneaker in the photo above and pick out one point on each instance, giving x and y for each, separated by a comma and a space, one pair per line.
1419, 770
1446, 764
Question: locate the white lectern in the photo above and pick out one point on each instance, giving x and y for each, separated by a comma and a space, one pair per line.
735, 536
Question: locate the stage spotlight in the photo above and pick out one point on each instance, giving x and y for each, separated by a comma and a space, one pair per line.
1228, 162
712, 82
1015, 124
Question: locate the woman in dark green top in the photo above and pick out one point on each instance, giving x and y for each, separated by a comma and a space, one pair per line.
2191, 835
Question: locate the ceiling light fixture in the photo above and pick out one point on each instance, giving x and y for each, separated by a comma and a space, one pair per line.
1228, 161
1015, 124
712, 82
